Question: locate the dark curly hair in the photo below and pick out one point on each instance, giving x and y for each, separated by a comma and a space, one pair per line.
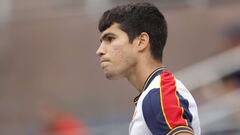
136, 18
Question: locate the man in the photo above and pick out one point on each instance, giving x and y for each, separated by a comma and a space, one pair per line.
132, 40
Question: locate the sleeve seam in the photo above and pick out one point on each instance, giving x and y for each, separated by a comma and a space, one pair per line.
180, 129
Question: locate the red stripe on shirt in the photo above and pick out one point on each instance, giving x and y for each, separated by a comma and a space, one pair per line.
172, 111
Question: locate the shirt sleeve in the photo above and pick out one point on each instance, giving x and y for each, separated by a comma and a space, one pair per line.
166, 112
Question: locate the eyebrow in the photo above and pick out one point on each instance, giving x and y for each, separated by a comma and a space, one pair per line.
104, 36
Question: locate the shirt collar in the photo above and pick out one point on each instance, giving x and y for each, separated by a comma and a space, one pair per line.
152, 76
148, 81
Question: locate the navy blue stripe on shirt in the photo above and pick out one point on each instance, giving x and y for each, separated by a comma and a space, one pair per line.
154, 118
185, 104
153, 114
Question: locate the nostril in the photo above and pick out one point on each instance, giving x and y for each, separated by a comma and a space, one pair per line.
101, 54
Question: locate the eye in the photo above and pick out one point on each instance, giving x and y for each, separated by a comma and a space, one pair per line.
109, 39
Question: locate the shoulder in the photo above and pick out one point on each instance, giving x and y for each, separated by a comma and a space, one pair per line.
164, 109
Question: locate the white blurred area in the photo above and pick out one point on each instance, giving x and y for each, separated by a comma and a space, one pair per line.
47, 56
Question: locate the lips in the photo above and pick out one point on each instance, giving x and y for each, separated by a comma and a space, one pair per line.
104, 60
103, 63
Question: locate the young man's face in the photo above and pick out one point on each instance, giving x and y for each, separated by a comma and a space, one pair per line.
117, 55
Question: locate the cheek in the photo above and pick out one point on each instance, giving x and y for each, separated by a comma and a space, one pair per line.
124, 58
117, 53
122, 55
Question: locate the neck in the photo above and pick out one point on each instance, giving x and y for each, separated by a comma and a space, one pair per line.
141, 72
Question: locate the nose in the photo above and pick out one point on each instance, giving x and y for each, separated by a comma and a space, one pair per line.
100, 51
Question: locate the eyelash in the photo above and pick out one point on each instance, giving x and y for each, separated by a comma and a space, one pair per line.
107, 39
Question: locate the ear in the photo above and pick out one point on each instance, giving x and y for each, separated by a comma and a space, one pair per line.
143, 41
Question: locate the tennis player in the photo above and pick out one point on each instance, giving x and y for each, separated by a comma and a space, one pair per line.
132, 39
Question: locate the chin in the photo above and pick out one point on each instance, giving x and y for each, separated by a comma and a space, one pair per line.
112, 76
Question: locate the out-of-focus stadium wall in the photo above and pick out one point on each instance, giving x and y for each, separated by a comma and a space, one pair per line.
48, 53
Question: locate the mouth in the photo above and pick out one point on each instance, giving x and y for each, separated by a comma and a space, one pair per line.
104, 60
103, 63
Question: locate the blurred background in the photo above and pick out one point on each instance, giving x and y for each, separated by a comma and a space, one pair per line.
51, 82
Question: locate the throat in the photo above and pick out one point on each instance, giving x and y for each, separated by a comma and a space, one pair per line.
136, 80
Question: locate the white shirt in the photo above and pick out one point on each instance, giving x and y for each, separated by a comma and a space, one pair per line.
165, 107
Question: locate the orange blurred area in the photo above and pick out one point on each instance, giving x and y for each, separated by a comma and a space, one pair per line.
65, 125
